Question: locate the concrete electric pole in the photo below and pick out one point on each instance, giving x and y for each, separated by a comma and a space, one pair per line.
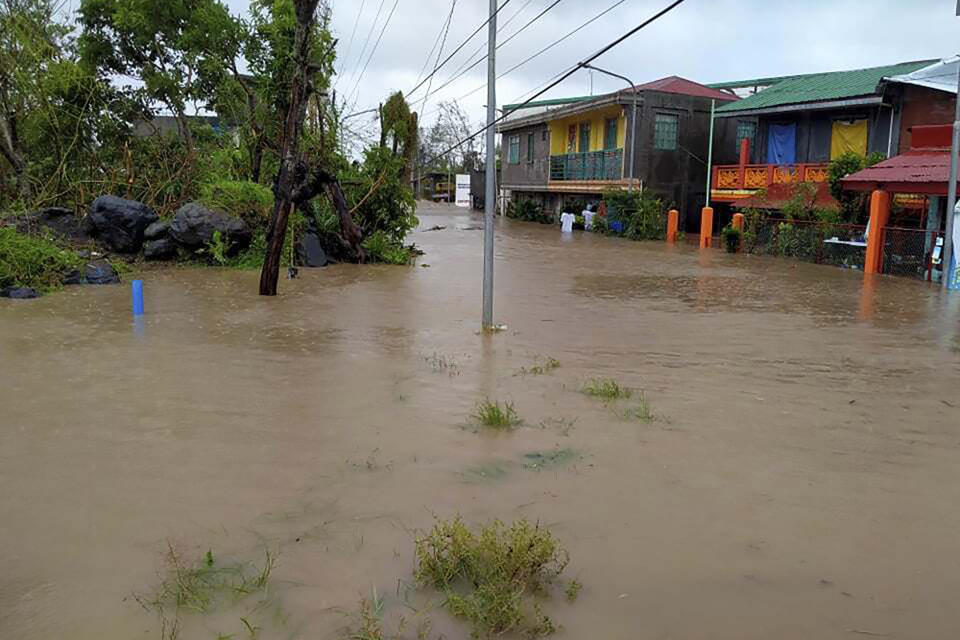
490, 197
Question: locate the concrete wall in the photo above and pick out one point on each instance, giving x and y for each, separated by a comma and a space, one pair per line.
679, 176
527, 173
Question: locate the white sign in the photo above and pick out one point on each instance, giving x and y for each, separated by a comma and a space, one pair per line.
463, 191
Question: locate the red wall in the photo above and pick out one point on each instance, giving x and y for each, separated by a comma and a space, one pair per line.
924, 106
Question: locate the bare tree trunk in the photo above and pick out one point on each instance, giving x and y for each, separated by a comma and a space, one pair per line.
287, 179
9, 147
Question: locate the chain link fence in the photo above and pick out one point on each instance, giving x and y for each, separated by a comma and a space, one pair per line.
841, 245
910, 252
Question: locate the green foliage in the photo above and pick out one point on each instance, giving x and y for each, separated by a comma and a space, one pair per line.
496, 416
606, 388
488, 575
380, 248
641, 215
732, 238
248, 200
852, 203
802, 205
387, 205
33, 261
529, 210
539, 369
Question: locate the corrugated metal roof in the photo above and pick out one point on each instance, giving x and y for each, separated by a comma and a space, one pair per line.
676, 84
823, 87
926, 163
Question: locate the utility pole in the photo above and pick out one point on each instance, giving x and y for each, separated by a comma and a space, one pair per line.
490, 196
713, 112
948, 248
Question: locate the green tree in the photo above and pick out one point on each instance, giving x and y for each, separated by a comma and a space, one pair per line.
177, 51
852, 204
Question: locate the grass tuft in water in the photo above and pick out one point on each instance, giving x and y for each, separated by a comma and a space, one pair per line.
496, 415
640, 411
539, 369
489, 575
573, 590
201, 586
606, 388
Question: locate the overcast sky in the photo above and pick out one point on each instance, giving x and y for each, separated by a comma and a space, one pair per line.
703, 40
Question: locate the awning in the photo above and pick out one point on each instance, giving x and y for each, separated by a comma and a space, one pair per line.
941, 76
925, 168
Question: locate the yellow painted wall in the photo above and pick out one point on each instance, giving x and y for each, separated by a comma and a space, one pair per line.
597, 120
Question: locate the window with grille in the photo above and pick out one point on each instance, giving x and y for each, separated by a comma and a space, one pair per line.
665, 128
748, 131
513, 153
610, 134
530, 147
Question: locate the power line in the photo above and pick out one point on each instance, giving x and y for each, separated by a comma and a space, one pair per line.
462, 45
373, 27
436, 43
545, 49
456, 76
350, 45
673, 5
373, 52
484, 45
443, 44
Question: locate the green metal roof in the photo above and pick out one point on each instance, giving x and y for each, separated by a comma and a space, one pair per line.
821, 87
547, 103
754, 82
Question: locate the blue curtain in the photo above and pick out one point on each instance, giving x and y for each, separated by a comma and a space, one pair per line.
782, 144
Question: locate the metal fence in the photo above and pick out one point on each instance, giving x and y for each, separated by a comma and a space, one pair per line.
596, 165
909, 252
842, 245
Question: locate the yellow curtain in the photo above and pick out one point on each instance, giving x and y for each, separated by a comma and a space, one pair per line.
848, 136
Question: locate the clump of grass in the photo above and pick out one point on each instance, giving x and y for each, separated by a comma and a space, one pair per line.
496, 415
489, 575
640, 411
202, 585
606, 388
540, 369
573, 590
33, 261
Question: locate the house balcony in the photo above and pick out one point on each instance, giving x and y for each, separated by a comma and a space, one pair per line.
605, 166
735, 182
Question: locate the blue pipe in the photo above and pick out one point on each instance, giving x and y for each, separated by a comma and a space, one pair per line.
136, 289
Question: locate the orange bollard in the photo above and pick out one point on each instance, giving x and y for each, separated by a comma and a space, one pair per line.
706, 228
738, 221
879, 215
673, 222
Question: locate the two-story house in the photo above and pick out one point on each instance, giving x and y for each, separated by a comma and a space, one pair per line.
574, 149
789, 131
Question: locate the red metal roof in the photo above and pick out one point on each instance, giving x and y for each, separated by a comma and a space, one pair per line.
676, 84
925, 168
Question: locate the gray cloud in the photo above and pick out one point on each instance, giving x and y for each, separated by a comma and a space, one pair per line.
704, 40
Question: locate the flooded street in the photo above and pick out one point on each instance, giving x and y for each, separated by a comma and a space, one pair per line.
800, 480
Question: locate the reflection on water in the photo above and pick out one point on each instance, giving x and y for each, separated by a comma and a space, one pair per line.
800, 479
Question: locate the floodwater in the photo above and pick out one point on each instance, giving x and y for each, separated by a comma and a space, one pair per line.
801, 479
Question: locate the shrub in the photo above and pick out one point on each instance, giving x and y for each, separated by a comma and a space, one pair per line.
33, 261
852, 204
638, 215
489, 575
381, 248
732, 238
247, 200
530, 211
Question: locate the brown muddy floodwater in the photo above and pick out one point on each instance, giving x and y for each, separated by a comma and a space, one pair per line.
801, 480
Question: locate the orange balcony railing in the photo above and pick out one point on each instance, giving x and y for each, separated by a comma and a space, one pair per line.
750, 177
